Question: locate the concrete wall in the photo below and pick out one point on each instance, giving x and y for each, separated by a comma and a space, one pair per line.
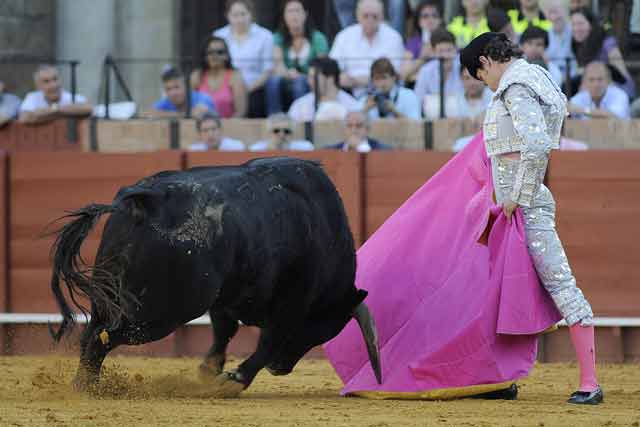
27, 27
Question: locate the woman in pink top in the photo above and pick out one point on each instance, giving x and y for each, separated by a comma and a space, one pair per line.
217, 78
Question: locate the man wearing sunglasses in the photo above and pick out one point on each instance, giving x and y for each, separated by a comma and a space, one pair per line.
280, 129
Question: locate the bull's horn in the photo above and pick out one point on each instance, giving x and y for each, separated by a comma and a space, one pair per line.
368, 328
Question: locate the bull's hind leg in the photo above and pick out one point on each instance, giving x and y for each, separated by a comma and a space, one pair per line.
95, 343
224, 328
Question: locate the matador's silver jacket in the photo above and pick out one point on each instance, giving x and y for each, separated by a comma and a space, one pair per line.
525, 115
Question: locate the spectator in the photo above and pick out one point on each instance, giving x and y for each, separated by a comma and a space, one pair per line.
356, 131
175, 100
217, 78
50, 100
251, 48
388, 99
296, 43
419, 50
358, 45
428, 83
280, 129
499, 22
396, 10
472, 24
328, 90
470, 104
9, 106
529, 13
592, 43
534, 41
209, 127
599, 98
560, 36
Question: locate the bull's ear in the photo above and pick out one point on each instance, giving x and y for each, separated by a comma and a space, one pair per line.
139, 203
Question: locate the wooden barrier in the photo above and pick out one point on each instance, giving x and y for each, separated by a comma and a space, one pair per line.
390, 178
58, 135
598, 222
45, 185
130, 136
603, 134
345, 170
447, 131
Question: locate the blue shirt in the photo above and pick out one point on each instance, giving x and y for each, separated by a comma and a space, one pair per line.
196, 98
428, 80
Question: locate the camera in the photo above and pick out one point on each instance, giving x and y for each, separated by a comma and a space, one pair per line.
380, 99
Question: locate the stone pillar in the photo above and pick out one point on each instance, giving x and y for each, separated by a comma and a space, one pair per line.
27, 29
87, 34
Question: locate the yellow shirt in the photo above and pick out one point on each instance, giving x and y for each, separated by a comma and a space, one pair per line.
465, 32
520, 23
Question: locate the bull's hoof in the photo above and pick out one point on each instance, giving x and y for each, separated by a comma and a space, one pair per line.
278, 372
228, 385
83, 384
210, 369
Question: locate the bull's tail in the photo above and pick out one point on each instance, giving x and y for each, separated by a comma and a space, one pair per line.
101, 287
367, 326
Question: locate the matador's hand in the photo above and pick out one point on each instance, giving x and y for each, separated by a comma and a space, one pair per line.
508, 207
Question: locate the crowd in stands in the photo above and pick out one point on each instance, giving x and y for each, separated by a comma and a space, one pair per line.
373, 69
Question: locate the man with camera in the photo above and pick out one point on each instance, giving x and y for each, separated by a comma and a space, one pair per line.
387, 99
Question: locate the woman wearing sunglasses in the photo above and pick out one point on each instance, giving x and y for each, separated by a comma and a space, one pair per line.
280, 130
218, 79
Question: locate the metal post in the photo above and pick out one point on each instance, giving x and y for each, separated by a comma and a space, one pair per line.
442, 112
174, 134
567, 77
107, 85
428, 135
187, 84
93, 134
74, 84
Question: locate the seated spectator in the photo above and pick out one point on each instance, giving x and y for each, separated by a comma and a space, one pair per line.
327, 72
217, 78
529, 13
209, 127
280, 129
396, 9
592, 43
418, 48
251, 48
50, 101
559, 48
9, 106
470, 104
356, 132
388, 99
472, 24
174, 103
599, 98
296, 43
499, 22
533, 42
357, 46
428, 82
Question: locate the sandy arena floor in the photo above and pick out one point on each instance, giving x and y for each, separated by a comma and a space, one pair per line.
144, 391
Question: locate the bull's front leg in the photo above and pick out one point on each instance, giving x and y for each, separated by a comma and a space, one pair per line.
224, 328
230, 384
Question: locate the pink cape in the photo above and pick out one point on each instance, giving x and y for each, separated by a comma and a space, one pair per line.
450, 312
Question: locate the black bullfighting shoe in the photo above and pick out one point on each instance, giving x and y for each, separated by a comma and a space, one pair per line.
510, 393
595, 397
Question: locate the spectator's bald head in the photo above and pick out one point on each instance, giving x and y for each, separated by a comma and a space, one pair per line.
596, 79
47, 80
370, 14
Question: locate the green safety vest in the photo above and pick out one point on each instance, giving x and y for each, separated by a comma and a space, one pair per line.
464, 32
520, 23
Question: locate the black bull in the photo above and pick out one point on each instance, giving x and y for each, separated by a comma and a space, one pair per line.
266, 243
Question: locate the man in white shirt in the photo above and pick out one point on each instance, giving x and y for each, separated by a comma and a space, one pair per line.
428, 81
331, 97
209, 127
280, 130
599, 98
50, 101
357, 46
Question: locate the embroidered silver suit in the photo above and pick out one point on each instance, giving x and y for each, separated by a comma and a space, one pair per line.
526, 116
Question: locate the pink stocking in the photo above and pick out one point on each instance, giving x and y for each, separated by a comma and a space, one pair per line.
583, 340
